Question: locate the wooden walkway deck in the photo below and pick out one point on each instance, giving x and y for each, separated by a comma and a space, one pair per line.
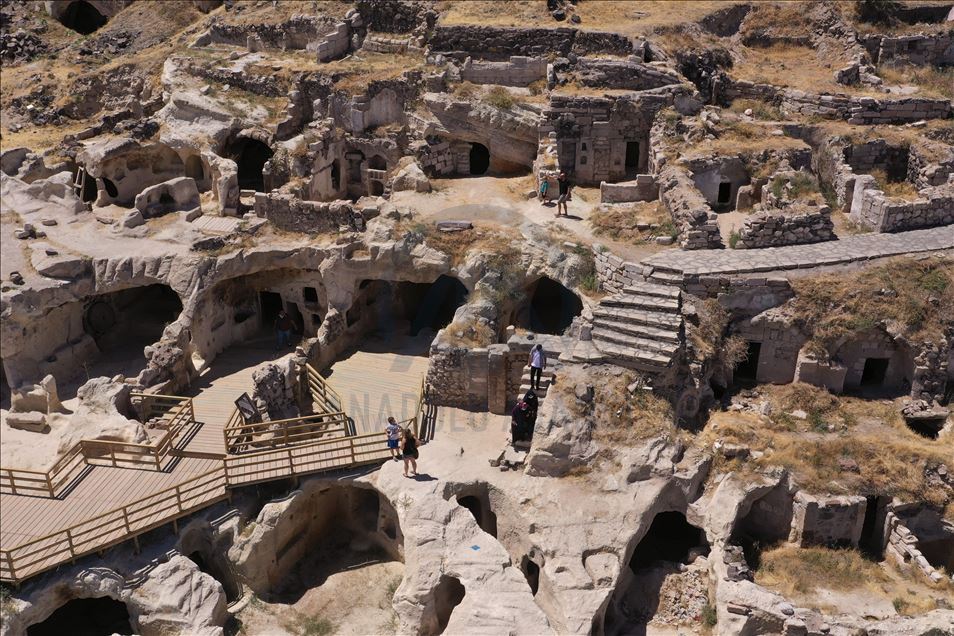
107, 505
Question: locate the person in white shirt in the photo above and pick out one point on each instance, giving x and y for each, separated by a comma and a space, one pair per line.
537, 362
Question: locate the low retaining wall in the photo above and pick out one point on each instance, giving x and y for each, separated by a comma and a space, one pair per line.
768, 229
872, 208
519, 71
832, 521
698, 224
921, 49
622, 74
642, 188
290, 213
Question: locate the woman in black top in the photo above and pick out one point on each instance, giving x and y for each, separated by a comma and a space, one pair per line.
409, 451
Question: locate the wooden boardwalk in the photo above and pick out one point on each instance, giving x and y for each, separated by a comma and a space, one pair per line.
107, 505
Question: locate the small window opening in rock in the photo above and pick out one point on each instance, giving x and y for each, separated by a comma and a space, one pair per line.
583, 146
749, 367
316, 319
532, 571
82, 17
449, 594
583, 161
110, 187
310, 294
377, 162
874, 373
375, 188
479, 159
85, 617
725, 193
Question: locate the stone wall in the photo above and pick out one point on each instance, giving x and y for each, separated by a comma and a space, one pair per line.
791, 227
642, 188
499, 43
870, 206
697, 223
613, 272
629, 74
903, 525
290, 213
831, 521
436, 158
518, 71
935, 49
335, 43
877, 155
930, 164
296, 33
395, 16
460, 376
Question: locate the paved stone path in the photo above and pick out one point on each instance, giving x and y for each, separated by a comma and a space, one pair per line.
847, 250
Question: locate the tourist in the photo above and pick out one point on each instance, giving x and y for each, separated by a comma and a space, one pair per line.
565, 187
537, 362
518, 421
544, 186
283, 328
394, 432
409, 451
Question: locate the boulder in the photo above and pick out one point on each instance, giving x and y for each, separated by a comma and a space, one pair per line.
176, 194
101, 414
411, 178
33, 421
41, 397
178, 598
561, 440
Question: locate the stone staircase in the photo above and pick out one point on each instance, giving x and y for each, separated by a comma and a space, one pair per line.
641, 327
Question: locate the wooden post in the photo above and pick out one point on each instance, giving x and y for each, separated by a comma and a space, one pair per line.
13, 574
158, 459
178, 498
49, 486
13, 483
69, 538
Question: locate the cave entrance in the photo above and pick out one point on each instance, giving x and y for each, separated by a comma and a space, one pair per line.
335, 175
766, 524
86, 617
435, 309
874, 373
448, 594
725, 194
532, 572
82, 17
251, 156
212, 566
670, 538
479, 159
632, 157
479, 506
375, 188
748, 369
871, 541
111, 188
131, 319
85, 185
413, 307
271, 303
552, 308
193, 168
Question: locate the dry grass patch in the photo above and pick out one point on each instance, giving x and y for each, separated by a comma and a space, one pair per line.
917, 296
760, 110
793, 570
622, 221
933, 81
488, 238
788, 19
354, 73
894, 189
469, 334
737, 137
792, 66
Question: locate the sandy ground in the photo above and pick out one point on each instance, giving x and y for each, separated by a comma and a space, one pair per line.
504, 200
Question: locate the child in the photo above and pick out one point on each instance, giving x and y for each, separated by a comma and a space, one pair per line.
544, 186
393, 431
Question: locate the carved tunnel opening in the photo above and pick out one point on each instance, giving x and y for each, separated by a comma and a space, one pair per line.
668, 547
82, 17
405, 307
218, 570
532, 572
132, 318
479, 159
765, 525
479, 506
86, 617
449, 594
251, 156
551, 308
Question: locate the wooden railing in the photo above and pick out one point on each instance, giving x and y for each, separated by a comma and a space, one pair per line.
178, 413
318, 456
115, 526
51, 484
323, 397
241, 437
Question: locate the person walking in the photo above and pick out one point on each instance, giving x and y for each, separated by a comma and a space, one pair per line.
537, 362
283, 329
565, 187
409, 451
544, 186
518, 421
394, 432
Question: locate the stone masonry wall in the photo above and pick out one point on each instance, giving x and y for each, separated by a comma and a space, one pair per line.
925, 170
622, 74
697, 223
519, 71
288, 212
612, 272
934, 207
936, 49
499, 43
460, 375
832, 521
902, 544
793, 227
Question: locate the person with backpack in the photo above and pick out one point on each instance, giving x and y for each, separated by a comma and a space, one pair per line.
537, 363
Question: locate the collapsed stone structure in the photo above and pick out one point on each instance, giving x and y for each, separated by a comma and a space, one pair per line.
311, 161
